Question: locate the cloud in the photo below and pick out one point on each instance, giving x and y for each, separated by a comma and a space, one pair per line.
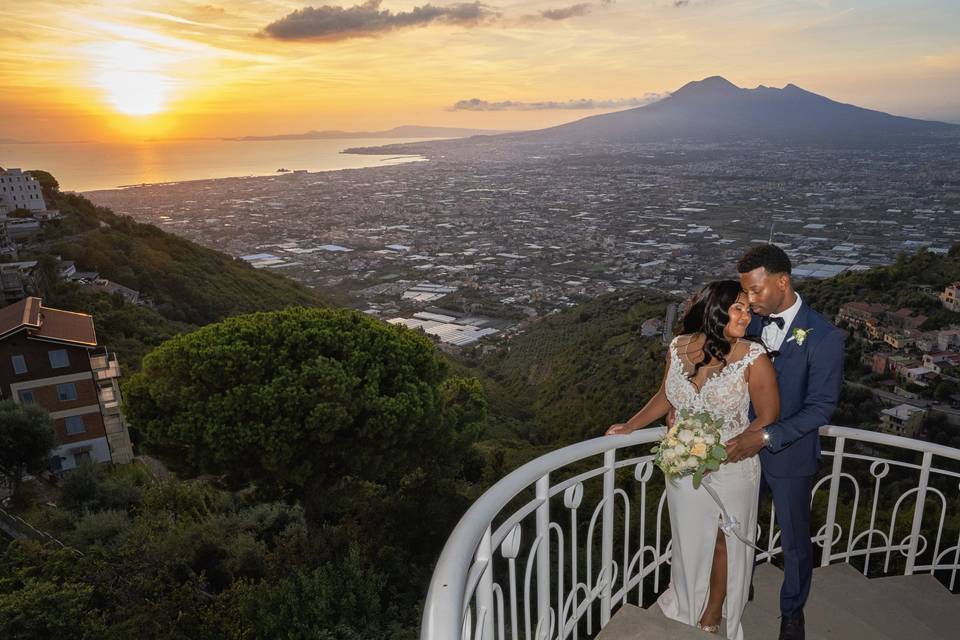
572, 11
475, 104
367, 19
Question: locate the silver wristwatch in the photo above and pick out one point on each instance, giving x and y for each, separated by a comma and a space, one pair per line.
766, 437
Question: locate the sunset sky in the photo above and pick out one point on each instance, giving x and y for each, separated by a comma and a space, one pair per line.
128, 70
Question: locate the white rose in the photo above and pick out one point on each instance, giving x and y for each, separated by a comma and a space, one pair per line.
685, 437
693, 463
680, 450
709, 439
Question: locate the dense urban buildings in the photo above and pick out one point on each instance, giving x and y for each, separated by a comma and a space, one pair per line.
526, 230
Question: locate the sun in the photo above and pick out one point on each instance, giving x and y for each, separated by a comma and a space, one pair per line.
135, 93
131, 77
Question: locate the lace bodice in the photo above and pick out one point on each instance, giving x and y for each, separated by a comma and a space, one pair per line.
724, 394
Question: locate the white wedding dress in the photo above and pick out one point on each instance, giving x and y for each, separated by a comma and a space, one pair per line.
694, 516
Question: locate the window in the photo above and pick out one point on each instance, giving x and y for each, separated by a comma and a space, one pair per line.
81, 456
66, 391
74, 425
59, 359
19, 364
26, 396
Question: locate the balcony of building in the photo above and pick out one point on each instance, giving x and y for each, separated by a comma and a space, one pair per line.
106, 373
576, 544
109, 399
104, 365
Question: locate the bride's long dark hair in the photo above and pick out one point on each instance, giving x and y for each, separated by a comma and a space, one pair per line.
708, 314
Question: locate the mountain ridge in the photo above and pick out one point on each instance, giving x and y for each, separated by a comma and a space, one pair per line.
403, 131
714, 110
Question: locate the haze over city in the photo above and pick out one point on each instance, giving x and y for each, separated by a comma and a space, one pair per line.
135, 70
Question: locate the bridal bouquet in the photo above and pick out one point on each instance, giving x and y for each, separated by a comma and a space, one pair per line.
692, 445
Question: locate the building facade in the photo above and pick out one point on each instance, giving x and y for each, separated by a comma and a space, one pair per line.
19, 190
951, 297
903, 420
50, 358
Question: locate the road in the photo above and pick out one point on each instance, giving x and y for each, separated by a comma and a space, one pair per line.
893, 398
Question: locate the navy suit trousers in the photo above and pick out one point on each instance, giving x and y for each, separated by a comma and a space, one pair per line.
791, 500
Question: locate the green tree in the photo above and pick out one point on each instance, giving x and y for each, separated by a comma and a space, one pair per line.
48, 184
39, 608
299, 396
340, 600
26, 438
944, 390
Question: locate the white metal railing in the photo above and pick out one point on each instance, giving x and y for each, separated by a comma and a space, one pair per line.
565, 590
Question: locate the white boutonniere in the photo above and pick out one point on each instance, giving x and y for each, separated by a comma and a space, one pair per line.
799, 335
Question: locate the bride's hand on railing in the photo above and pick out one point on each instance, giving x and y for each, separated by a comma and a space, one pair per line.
619, 429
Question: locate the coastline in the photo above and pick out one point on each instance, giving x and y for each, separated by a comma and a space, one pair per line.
389, 162
84, 168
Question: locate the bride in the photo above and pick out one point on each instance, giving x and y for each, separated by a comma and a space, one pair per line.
712, 367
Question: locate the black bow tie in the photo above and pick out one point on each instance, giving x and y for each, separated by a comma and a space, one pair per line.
777, 320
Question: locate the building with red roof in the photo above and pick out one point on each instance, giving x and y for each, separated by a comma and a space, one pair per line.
51, 358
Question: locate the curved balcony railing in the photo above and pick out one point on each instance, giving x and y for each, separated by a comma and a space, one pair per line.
883, 503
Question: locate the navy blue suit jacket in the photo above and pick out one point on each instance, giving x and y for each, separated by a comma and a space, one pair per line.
810, 376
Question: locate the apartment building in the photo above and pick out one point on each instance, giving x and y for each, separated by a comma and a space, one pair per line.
903, 420
951, 297
51, 358
19, 190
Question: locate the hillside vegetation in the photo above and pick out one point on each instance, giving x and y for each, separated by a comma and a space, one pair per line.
189, 285
898, 285
576, 372
187, 282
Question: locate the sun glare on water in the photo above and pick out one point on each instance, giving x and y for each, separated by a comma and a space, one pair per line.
131, 77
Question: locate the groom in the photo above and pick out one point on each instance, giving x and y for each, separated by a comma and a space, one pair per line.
807, 353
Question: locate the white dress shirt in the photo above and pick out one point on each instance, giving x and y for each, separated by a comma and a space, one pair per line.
773, 336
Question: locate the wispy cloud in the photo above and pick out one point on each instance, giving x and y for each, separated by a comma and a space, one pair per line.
476, 104
559, 14
573, 11
336, 23
181, 20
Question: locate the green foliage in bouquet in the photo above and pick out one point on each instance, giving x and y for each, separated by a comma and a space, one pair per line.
692, 445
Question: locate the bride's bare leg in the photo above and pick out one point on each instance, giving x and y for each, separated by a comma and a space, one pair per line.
718, 584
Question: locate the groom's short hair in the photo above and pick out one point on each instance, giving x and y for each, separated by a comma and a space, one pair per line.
769, 256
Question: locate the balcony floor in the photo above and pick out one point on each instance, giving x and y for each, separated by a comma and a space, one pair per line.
842, 604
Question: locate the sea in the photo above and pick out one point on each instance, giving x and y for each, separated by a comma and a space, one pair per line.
89, 166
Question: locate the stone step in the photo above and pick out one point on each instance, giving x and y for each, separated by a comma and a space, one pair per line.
633, 623
825, 613
842, 604
928, 601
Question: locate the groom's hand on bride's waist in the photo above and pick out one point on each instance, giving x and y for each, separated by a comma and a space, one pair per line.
745, 445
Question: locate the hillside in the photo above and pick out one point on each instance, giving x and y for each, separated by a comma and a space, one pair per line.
899, 285
189, 285
715, 111
576, 372
187, 282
